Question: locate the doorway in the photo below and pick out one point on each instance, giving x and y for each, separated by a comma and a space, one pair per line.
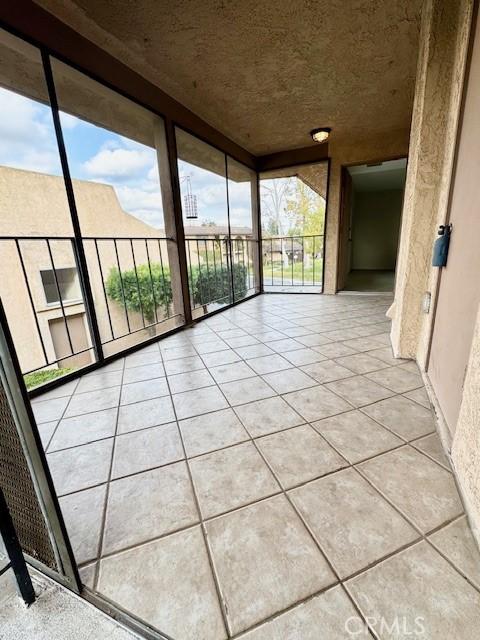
370, 226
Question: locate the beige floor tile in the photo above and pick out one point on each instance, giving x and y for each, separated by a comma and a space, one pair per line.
329, 612
211, 431
148, 413
353, 524
101, 380
287, 344
242, 391
190, 380
230, 478
183, 365
421, 593
254, 351
420, 488
362, 344
146, 449
83, 514
386, 355
298, 455
420, 396
316, 403
456, 542
326, 371
144, 390
90, 427
231, 371
356, 436
314, 340
267, 416
269, 364
335, 350
220, 357
147, 505
265, 561
194, 403
92, 401
359, 391
301, 357
290, 380
181, 599
403, 416
361, 363
145, 372
81, 467
432, 446
397, 379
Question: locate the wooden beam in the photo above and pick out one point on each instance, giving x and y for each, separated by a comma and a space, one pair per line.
292, 157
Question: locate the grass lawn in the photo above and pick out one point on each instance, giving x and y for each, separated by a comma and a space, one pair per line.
308, 274
40, 377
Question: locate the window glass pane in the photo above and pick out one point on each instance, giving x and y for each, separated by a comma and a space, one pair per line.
34, 212
203, 185
67, 283
116, 154
242, 187
293, 204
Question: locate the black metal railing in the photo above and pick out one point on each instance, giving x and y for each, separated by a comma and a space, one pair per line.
293, 261
220, 270
40, 285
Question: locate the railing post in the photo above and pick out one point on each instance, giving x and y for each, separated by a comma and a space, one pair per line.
257, 233
80, 258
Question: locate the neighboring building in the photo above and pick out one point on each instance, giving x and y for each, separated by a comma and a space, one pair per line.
35, 205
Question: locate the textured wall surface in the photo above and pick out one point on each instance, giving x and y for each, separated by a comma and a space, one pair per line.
266, 73
441, 67
466, 445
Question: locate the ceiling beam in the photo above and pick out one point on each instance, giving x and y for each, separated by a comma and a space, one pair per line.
292, 157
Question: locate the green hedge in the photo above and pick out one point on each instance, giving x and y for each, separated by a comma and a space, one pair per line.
206, 286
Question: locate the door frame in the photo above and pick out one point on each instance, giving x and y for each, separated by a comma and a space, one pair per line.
342, 212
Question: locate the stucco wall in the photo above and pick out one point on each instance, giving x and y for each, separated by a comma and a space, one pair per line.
466, 444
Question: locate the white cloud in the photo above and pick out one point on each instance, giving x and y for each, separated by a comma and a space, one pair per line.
27, 136
118, 163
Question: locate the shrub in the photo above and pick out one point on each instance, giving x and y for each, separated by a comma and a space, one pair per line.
214, 285
206, 286
153, 289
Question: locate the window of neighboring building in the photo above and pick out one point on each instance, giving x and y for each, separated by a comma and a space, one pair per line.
68, 284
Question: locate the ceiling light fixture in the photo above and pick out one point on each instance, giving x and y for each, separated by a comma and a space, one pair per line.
321, 134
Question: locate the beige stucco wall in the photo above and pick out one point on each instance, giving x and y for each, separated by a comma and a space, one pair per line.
441, 68
466, 444
441, 74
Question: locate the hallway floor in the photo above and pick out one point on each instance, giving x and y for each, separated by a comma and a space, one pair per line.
369, 280
272, 474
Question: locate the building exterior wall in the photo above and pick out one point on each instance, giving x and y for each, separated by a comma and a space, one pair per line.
34, 204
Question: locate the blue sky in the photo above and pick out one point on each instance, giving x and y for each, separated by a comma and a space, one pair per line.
27, 141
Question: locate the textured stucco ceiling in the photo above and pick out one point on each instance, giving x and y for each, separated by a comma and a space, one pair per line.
266, 73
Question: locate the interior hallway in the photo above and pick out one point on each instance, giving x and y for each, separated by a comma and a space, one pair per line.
271, 472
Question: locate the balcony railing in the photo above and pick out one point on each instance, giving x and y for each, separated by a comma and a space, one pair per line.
292, 261
42, 292
221, 271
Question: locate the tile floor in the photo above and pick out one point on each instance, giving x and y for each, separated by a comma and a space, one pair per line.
271, 473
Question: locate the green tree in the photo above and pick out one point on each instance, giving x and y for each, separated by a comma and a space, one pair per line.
143, 291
